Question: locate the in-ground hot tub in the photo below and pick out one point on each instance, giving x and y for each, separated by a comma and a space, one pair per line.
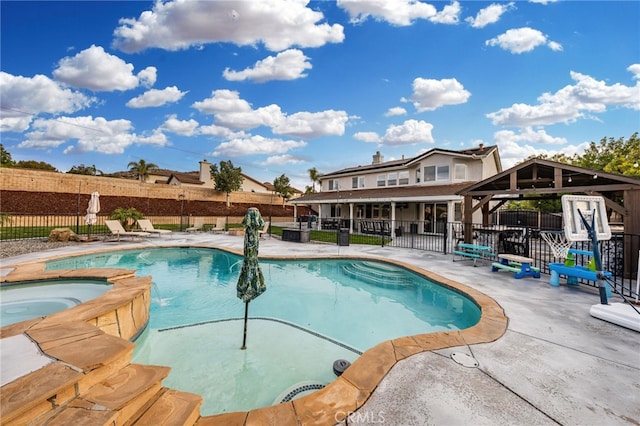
33, 299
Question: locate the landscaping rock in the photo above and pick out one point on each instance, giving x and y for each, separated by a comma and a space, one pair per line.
62, 235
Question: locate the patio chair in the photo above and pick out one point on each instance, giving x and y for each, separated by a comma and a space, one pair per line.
264, 229
116, 229
220, 225
146, 226
197, 225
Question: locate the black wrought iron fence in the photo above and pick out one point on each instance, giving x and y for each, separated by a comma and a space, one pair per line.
26, 226
619, 254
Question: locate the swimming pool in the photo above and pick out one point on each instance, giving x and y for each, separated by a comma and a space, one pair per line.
313, 312
28, 300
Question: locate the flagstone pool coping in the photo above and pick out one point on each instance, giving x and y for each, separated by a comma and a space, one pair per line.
123, 312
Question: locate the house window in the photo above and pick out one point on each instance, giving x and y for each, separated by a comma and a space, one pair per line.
357, 182
460, 172
403, 178
442, 173
392, 179
436, 173
382, 180
333, 185
418, 175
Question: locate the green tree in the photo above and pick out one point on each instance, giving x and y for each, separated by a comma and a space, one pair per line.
85, 170
618, 156
227, 179
5, 158
315, 178
35, 165
126, 216
282, 187
141, 169
611, 155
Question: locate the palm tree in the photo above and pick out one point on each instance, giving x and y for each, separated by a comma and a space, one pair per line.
141, 169
315, 178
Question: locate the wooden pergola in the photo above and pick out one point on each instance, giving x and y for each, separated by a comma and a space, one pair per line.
543, 179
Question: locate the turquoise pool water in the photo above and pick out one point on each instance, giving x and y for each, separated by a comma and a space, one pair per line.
313, 312
29, 300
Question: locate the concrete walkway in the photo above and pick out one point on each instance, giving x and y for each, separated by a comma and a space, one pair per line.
555, 365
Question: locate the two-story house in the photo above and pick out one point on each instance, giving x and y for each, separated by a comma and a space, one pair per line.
419, 192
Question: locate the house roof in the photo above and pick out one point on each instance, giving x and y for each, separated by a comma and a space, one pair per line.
480, 151
192, 178
538, 176
414, 193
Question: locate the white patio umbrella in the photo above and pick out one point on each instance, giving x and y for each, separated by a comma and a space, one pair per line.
94, 208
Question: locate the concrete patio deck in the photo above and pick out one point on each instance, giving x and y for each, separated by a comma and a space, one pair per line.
554, 365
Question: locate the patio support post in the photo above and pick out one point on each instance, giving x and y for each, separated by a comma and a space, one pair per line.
467, 219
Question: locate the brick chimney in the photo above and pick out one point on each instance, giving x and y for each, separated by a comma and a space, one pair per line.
377, 158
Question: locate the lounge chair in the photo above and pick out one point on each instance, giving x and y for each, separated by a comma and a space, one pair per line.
221, 224
146, 226
264, 230
115, 227
197, 225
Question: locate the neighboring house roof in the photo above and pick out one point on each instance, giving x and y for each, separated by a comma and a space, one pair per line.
480, 151
408, 193
192, 178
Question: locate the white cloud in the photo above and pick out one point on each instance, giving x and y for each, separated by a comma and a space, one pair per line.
222, 101
254, 145
392, 112
515, 147
288, 65
521, 40
22, 98
97, 70
148, 76
429, 94
489, 15
220, 132
312, 124
156, 138
399, 12
181, 127
369, 137
635, 70
174, 25
408, 133
156, 98
569, 103
281, 160
450, 14
235, 113
92, 134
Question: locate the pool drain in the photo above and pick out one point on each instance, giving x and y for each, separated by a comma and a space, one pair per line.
339, 366
464, 360
299, 390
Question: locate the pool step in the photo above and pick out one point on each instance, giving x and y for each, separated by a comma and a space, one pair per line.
378, 275
172, 407
93, 354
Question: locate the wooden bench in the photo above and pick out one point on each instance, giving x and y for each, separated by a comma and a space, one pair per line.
519, 265
472, 252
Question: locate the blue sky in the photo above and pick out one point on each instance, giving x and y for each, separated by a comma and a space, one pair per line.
281, 86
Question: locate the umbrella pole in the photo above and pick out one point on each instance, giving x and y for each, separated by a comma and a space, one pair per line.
244, 337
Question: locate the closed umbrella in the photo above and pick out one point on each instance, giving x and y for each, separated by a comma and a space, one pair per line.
251, 281
92, 211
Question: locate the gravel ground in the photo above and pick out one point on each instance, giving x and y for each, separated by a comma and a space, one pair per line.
20, 247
